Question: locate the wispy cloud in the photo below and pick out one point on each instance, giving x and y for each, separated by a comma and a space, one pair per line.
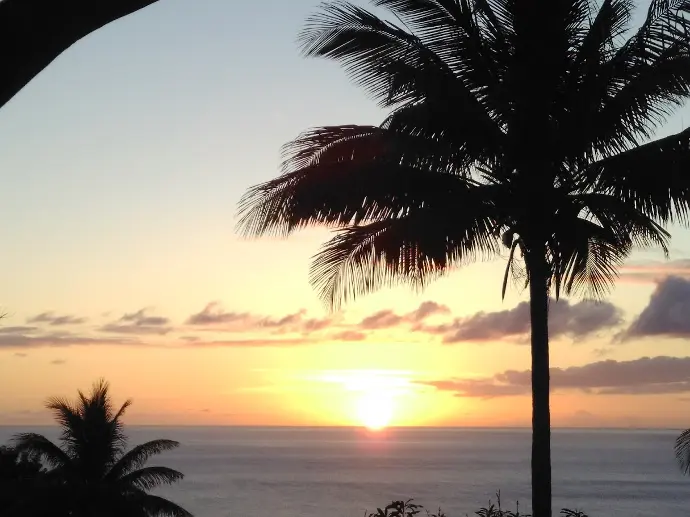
139, 322
214, 314
214, 317
653, 271
61, 339
58, 362
249, 343
18, 330
385, 319
55, 320
643, 376
349, 335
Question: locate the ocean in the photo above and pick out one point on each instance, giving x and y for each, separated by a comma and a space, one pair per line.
344, 472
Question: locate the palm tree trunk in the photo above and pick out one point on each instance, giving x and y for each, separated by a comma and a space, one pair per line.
541, 418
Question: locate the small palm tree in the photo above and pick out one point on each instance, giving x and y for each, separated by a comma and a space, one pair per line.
523, 124
91, 474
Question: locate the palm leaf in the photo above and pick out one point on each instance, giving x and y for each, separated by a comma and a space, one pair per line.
148, 478
156, 506
470, 40
37, 445
392, 64
647, 78
594, 237
138, 456
682, 451
633, 176
365, 176
412, 249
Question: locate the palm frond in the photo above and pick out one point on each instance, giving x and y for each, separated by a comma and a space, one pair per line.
510, 267
37, 445
366, 175
391, 63
590, 247
652, 177
647, 78
156, 506
433, 121
148, 478
682, 451
470, 39
589, 80
588, 260
412, 249
138, 456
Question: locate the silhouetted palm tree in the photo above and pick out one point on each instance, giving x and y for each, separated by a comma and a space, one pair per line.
38, 31
92, 474
515, 123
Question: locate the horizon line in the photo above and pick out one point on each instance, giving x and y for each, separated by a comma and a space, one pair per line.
363, 428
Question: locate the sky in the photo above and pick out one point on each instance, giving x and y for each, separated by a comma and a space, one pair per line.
122, 164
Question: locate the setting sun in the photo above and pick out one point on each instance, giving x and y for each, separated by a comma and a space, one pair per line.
375, 410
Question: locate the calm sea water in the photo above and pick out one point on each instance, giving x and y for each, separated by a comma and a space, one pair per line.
298, 472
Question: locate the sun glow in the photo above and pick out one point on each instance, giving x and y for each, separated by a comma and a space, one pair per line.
372, 398
375, 410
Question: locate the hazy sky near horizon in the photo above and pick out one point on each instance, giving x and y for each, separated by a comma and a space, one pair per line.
122, 165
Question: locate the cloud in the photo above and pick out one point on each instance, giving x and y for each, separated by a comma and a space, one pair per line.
652, 271
190, 339
381, 320
316, 324
427, 309
575, 320
20, 354
214, 316
350, 335
249, 343
647, 375
666, 314
52, 319
17, 330
138, 322
58, 339
58, 362
387, 319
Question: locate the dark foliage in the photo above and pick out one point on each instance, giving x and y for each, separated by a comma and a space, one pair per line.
410, 509
92, 474
19, 472
38, 31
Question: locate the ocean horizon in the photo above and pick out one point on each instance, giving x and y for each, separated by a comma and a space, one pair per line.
306, 471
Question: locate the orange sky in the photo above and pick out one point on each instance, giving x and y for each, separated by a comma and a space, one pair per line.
396, 357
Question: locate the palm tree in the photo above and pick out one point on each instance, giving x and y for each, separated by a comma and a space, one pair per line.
92, 474
39, 31
525, 124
